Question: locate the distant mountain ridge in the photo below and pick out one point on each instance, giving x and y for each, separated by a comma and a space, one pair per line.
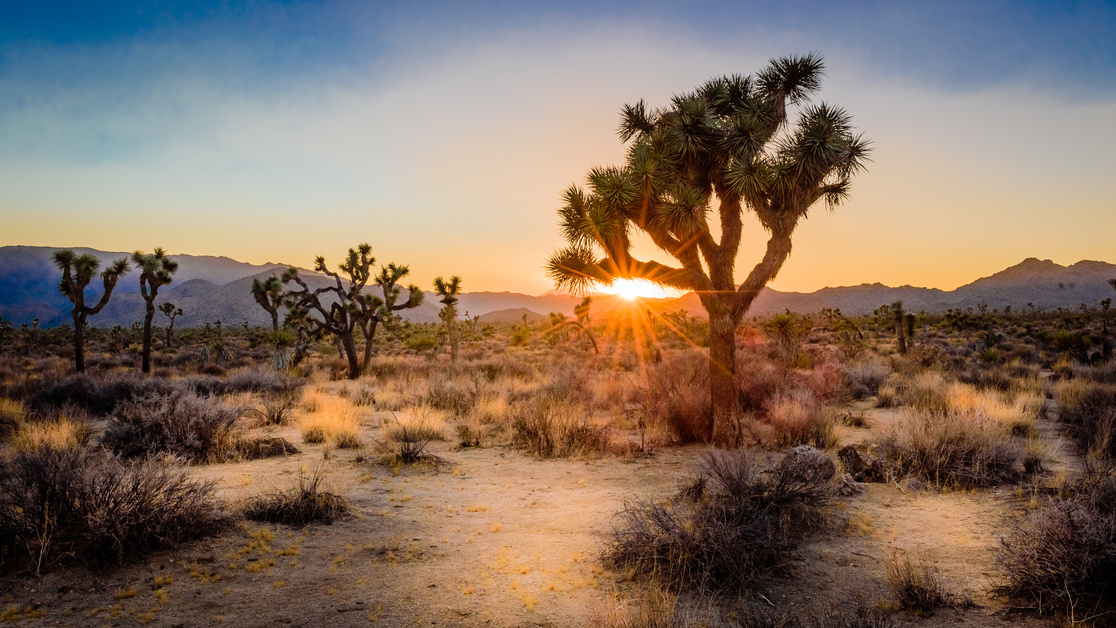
210, 288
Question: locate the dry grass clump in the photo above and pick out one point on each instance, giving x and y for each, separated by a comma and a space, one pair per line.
918, 587
1090, 410
302, 504
550, 428
333, 419
1063, 557
274, 408
796, 418
952, 449
72, 504
740, 526
180, 423
59, 433
11, 416
424, 422
1016, 412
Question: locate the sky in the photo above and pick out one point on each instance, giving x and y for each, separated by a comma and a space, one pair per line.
443, 133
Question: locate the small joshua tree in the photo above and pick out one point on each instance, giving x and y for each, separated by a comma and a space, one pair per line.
269, 294
449, 290
155, 272
171, 313
898, 314
351, 308
77, 272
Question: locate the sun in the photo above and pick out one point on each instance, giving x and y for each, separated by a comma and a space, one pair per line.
632, 289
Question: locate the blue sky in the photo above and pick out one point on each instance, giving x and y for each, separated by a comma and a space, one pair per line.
443, 133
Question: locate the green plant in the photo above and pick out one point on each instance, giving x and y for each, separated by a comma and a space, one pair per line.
449, 290
728, 140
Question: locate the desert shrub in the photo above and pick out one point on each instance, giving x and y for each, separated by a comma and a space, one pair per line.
918, 587
264, 447
797, 418
450, 395
658, 610
744, 526
926, 392
273, 408
952, 449
11, 416
1090, 410
257, 381
71, 504
827, 380
94, 396
759, 379
1063, 556
1102, 374
302, 504
199, 429
550, 428
676, 396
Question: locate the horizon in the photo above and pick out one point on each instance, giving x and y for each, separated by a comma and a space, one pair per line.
439, 133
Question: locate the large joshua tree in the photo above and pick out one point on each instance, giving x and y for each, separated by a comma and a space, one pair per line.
77, 272
155, 272
727, 148
342, 307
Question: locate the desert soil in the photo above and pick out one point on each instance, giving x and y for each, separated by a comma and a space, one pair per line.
494, 537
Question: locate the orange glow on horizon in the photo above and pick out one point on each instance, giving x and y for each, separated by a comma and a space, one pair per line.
632, 289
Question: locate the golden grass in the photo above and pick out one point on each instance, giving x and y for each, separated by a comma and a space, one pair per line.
61, 433
334, 420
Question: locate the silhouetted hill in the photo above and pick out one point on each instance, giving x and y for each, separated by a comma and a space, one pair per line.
218, 288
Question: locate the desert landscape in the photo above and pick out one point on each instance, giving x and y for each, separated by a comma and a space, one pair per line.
580, 314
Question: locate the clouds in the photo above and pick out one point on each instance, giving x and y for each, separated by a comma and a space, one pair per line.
446, 141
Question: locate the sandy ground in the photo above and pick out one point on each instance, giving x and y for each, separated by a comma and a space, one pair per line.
494, 537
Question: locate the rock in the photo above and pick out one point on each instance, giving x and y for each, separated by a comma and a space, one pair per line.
860, 470
806, 464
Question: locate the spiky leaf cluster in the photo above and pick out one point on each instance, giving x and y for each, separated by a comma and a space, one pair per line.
724, 147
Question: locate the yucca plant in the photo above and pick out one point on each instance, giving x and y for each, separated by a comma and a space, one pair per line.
155, 271
730, 140
77, 272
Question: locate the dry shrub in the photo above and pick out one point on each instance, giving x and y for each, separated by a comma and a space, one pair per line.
658, 610
1063, 557
827, 380
864, 379
1090, 410
550, 428
676, 396
1016, 412
264, 447
424, 422
952, 449
302, 504
491, 410
797, 418
274, 408
742, 528
918, 587
181, 424
11, 416
451, 395
759, 379
72, 504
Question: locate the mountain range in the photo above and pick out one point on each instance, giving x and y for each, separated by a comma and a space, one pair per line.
211, 288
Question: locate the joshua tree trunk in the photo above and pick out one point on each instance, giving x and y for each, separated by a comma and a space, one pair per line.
148, 317
722, 379
349, 345
79, 342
